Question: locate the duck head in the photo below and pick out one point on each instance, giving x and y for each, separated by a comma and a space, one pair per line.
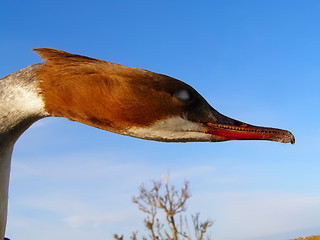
137, 102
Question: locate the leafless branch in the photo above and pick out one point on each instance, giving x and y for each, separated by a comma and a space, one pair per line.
171, 202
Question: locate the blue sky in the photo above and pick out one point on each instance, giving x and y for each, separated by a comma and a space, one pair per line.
256, 61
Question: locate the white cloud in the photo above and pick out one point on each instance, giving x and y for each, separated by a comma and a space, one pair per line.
74, 212
93, 219
253, 215
192, 171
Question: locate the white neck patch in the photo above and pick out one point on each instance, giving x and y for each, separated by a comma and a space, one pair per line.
20, 99
175, 129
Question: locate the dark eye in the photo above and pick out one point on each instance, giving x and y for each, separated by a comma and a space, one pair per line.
183, 95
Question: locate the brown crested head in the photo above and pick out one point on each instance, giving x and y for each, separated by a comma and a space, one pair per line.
108, 95
133, 101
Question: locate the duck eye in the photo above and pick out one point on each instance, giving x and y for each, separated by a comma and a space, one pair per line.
183, 95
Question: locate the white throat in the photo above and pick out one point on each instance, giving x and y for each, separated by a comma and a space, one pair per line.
162, 130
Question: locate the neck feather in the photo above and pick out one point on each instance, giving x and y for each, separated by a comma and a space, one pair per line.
21, 103
20, 106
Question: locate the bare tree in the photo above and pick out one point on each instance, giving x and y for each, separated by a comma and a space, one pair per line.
170, 202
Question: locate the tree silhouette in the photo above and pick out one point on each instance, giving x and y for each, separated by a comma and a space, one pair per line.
167, 201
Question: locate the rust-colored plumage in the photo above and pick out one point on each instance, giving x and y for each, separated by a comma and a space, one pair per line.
103, 94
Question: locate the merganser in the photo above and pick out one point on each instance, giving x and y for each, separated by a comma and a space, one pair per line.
113, 97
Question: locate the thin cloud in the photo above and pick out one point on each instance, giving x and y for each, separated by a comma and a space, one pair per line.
74, 212
259, 214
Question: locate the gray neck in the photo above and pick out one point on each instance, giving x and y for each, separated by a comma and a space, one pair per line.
20, 106
21, 103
